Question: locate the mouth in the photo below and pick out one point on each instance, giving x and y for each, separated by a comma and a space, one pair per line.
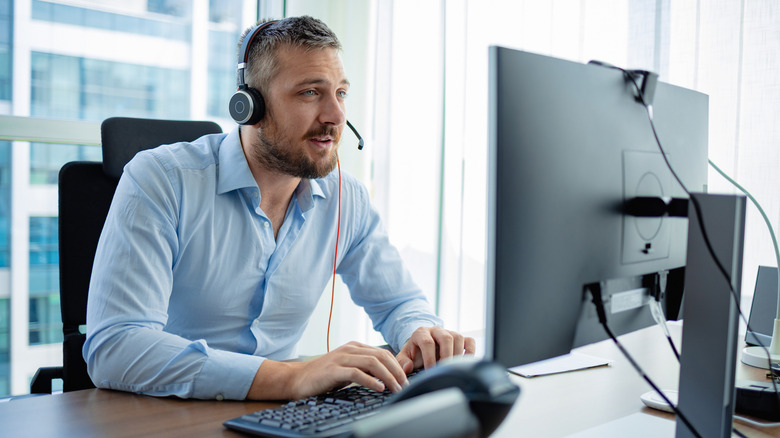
322, 142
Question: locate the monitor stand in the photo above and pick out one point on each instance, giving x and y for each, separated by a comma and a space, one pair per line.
709, 338
711, 319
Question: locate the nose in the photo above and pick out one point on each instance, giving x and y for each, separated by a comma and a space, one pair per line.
333, 111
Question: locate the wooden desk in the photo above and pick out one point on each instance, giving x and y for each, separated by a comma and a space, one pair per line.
549, 406
103, 413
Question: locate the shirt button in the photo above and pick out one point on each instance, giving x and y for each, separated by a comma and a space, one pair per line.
220, 397
255, 194
266, 224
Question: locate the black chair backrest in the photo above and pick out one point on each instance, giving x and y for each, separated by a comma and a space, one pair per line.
85, 193
123, 137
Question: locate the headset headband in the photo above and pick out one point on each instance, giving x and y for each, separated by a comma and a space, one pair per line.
243, 54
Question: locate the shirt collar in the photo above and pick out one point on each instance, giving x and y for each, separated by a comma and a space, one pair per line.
305, 193
234, 171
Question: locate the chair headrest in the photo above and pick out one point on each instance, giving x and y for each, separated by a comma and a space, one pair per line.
123, 137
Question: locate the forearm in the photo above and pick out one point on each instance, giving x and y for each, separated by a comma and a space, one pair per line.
152, 362
274, 381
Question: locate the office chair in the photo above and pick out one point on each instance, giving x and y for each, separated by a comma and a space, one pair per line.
85, 193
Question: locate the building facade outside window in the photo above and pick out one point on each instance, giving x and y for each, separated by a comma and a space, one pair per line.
45, 320
90, 60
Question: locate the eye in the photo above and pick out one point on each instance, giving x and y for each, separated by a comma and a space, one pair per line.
308, 93
342, 94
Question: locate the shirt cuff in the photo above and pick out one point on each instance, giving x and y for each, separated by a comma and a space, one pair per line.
226, 375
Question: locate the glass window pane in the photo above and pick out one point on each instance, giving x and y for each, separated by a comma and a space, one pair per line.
5, 335
46, 159
94, 89
45, 320
93, 60
5, 205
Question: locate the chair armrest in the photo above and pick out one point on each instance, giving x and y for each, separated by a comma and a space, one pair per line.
41, 381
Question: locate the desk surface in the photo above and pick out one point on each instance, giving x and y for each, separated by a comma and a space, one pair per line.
548, 406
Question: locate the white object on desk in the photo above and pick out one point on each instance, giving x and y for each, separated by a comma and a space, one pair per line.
560, 364
653, 400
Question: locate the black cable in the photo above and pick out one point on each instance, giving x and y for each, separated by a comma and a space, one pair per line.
700, 216
660, 291
595, 292
674, 348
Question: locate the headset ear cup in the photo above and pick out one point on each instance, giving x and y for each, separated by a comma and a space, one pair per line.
247, 106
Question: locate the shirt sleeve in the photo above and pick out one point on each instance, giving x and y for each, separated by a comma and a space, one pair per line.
376, 276
126, 347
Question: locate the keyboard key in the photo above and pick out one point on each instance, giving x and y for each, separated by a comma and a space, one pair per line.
272, 423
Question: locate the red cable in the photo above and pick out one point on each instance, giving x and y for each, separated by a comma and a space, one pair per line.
335, 258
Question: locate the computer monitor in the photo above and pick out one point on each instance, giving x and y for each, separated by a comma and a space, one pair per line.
569, 143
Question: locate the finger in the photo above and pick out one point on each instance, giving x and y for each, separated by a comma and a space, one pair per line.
356, 375
458, 344
408, 367
403, 357
411, 352
470, 346
383, 366
445, 341
427, 347
406, 362
395, 368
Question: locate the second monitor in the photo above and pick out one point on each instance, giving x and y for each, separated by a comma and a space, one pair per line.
569, 144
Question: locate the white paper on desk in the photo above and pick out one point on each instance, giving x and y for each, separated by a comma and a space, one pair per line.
560, 364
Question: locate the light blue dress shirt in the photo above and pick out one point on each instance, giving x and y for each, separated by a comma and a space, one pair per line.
190, 291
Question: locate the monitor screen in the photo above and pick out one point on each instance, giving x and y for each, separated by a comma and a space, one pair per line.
764, 308
568, 144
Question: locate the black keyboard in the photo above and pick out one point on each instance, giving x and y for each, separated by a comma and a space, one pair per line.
326, 415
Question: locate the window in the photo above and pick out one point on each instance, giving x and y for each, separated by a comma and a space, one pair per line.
221, 71
89, 60
5, 207
46, 159
6, 48
92, 89
129, 23
5, 338
45, 319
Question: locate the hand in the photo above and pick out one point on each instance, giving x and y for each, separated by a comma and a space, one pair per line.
350, 363
427, 345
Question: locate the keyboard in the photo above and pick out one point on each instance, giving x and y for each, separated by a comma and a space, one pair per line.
322, 416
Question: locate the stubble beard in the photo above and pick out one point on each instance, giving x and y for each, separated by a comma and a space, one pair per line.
274, 152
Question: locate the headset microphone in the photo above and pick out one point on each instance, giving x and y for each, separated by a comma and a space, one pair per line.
247, 106
360, 139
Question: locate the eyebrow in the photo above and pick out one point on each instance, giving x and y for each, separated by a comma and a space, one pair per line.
316, 81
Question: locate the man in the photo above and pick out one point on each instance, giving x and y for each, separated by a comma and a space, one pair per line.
215, 252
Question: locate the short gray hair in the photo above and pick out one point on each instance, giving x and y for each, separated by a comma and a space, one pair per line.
304, 32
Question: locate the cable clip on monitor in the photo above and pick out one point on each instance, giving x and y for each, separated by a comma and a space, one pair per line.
645, 79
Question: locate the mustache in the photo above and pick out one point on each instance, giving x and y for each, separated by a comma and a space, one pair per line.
323, 131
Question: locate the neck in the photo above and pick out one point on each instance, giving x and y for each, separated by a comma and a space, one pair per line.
270, 181
276, 188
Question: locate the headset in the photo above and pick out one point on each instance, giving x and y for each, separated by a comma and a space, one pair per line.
247, 106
